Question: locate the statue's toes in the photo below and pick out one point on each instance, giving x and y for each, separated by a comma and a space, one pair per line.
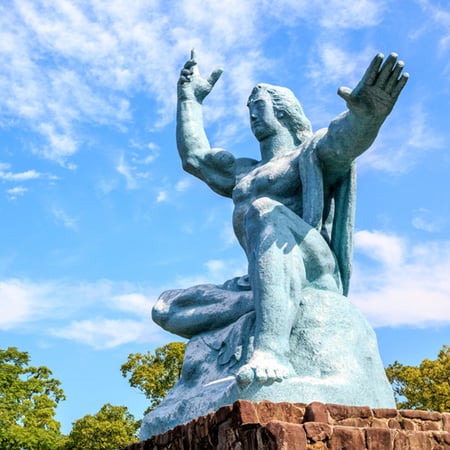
262, 375
245, 376
280, 375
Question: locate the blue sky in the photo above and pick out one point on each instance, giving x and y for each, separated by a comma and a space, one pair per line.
98, 217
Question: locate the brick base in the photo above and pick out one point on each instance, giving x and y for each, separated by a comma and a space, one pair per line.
294, 426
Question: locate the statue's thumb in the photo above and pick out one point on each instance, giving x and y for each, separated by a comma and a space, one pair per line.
345, 93
212, 80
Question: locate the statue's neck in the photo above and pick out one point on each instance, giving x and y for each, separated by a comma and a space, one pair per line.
276, 145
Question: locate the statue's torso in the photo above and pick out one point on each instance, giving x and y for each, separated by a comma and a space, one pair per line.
277, 179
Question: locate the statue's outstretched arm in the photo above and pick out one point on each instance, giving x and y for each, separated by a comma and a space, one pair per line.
369, 103
214, 167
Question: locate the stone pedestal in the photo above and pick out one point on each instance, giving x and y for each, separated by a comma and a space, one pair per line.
265, 425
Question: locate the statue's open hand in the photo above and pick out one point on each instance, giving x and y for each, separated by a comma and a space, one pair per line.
376, 93
191, 86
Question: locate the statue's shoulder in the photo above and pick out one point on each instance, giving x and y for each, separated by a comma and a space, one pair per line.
245, 164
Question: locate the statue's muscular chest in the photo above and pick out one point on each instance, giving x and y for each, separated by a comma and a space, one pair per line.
278, 179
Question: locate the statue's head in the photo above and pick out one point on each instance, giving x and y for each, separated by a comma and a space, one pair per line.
287, 109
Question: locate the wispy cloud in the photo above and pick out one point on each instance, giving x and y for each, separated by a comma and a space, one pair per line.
405, 146
127, 172
440, 16
62, 217
427, 221
334, 14
216, 271
23, 302
66, 64
102, 333
183, 185
162, 197
409, 283
101, 314
332, 63
16, 192
7, 175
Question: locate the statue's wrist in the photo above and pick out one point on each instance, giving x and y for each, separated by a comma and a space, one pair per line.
188, 98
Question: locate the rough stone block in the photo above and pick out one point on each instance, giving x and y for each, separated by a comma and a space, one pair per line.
428, 425
418, 414
340, 412
379, 439
394, 424
287, 436
354, 422
446, 422
401, 441
317, 431
347, 438
385, 413
408, 425
379, 423
316, 412
224, 413
244, 412
420, 440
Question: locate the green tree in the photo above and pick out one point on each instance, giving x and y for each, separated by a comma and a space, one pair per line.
426, 386
110, 428
28, 399
155, 374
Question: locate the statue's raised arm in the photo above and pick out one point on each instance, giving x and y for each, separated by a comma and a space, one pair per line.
214, 167
369, 103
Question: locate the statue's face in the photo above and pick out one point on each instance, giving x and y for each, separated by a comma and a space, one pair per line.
263, 120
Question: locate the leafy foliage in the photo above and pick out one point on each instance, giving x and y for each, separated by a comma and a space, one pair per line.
111, 427
424, 387
28, 398
155, 374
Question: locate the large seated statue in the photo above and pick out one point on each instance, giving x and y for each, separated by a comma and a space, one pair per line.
286, 331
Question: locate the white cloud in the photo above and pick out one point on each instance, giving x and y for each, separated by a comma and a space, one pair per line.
409, 286
135, 303
333, 14
150, 150
22, 302
66, 64
405, 146
441, 17
183, 185
102, 333
65, 219
332, 64
127, 172
101, 314
7, 175
426, 221
217, 272
163, 196
16, 192
387, 249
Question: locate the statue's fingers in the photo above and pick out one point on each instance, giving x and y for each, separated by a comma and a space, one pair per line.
371, 73
394, 76
386, 69
192, 63
400, 85
215, 75
186, 72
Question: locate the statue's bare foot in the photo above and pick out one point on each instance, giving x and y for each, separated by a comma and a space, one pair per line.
264, 368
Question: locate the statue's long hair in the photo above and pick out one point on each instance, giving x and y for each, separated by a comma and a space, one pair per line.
287, 108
